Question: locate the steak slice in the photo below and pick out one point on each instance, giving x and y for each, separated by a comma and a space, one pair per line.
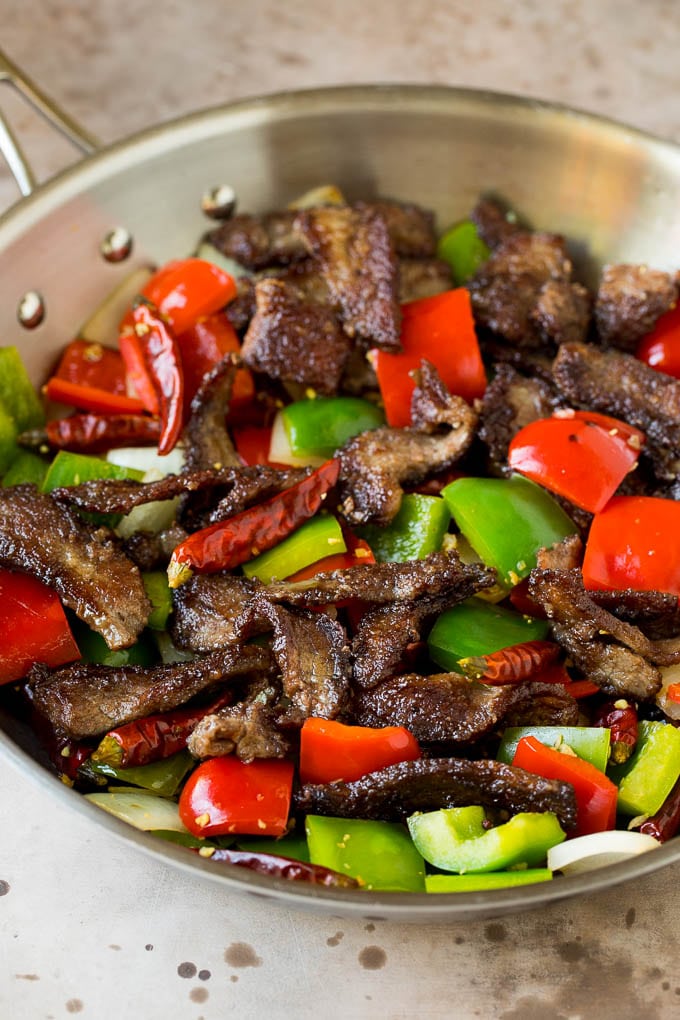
629, 301
494, 222
87, 699
207, 441
411, 228
353, 249
83, 565
656, 613
260, 241
395, 792
376, 464
247, 729
422, 278
510, 402
213, 611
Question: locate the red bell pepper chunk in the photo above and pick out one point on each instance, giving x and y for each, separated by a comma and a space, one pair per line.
225, 795
581, 456
440, 329
186, 289
95, 433
660, 349
359, 555
33, 627
252, 443
673, 692
595, 794
91, 398
153, 360
330, 750
582, 689
634, 542
90, 364
230, 543
203, 346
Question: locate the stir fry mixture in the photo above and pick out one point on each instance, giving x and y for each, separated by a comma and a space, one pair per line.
349, 552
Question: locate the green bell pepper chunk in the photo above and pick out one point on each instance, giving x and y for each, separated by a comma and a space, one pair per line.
463, 249
193, 842
17, 393
476, 628
314, 540
651, 772
380, 855
160, 596
26, 468
454, 839
416, 531
75, 468
162, 777
589, 742
490, 880
506, 521
8, 440
94, 648
321, 426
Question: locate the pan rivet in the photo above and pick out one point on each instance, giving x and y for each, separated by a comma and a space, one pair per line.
31, 310
219, 203
117, 245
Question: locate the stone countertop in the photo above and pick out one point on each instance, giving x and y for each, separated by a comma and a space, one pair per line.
92, 927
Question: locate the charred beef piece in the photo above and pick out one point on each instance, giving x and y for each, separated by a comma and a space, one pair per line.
120, 496
376, 464
447, 708
510, 402
312, 653
247, 729
422, 278
564, 555
207, 441
87, 569
353, 249
251, 485
380, 582
259, 241
494, 222
150, 551
397, 791
88, 699
656, 613
241, 310
212, 611
359, 378
291, 338
611, 653
411, 228
624, 387
629, 301
524, 292
385, 631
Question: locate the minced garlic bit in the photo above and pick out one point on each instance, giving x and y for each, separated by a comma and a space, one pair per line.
261, 824
202, 820
360, 553
310, 393
564, 412
206, 851
93, 352
621, 703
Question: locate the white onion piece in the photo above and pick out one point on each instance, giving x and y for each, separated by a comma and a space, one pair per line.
280, 451
598, 850
143, 810
147, 459
669, 675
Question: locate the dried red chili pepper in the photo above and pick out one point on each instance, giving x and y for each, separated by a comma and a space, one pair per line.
621, 718
666, 822
229, 543
282, 867
96, 433
581, 689
154, 341
66, 754
511, 665
155, 737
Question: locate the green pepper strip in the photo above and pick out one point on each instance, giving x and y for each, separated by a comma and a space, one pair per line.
380, 855
463, 249
651, 773
589, 742
416, 531
321, 426
476, 628
317, 538
490, 880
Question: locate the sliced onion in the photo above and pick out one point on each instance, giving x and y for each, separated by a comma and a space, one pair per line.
280, 451
147, 459
669, 675
598, 850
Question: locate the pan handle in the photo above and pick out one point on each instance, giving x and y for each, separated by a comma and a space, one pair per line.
53, 114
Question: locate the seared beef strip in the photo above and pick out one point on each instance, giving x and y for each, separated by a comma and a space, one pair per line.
120, 495
212, 611
88, 699
355, 254
626, 388
207, 441
85, 566
495, 224
524, 292
564, 555
611, 653
382, 582
510, 402
411, 228
629, 301
447, 708
374, 465
247, 729
258, 241
251, 485
291, 338
422, 278
241, 310
397, 791
656, 613
152, 551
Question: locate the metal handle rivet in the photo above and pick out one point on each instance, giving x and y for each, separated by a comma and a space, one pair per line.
219, 203
31, 310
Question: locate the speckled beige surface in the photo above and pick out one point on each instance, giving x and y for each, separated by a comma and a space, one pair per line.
92, 928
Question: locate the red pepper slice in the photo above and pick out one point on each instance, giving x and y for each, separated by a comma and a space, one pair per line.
440, 329
91, 398
90, 364
154, 737
621, 719
634, 543
359, 555
33, 627
203, 346
229, 543
186, 289
153, 359
93, 433
595, 794
660, 349
330, 750
576, 456
582, 689
252, 443
225, 795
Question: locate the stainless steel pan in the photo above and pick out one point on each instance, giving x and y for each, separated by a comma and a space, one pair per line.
613, 191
